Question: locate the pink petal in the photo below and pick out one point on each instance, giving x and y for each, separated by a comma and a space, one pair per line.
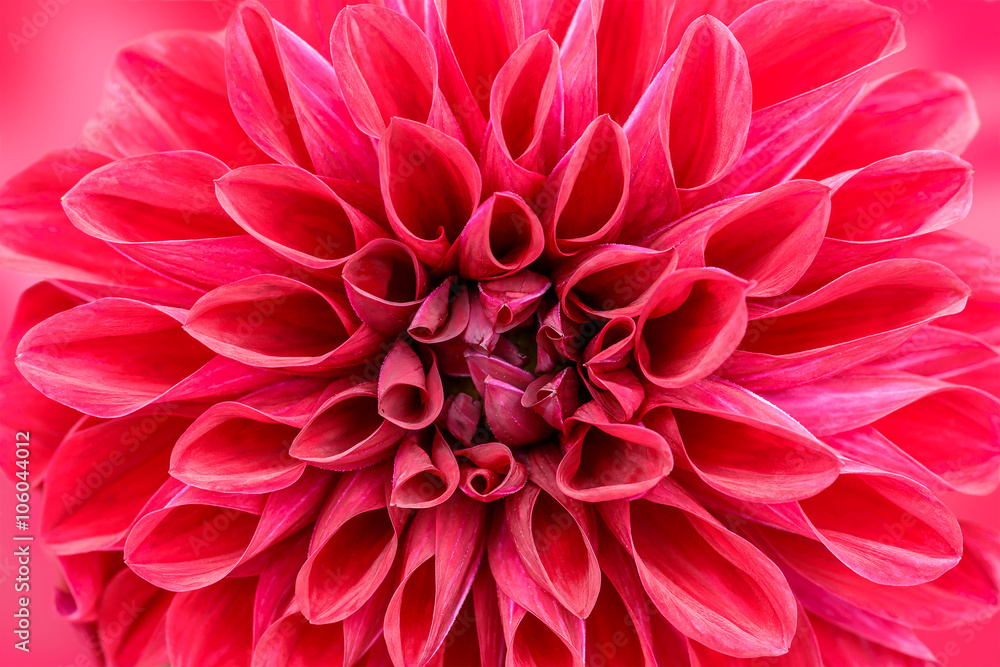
347, 432
511, 422
610, 630
103, 475
234, 448
38, 238
493, 473
385, 284
554, 396
614, 387
526, 103
111, 357
295, 214
501, 238
906, 111
939, 434
161, 211
28, 410
442, 553
410, 394
509, 301
431, 185
132, 623
287, 98
605, 460
610, 280
778, 460
443, 315
876, 209
585, 195
271, 321
738, 603
352, 548
212, 626
578, 59
558, 336
844, 323
85, 576
461, 417
387, 69
276, 584
851, 650
167, 92
804, 650
554, 536
710, 304
422, 478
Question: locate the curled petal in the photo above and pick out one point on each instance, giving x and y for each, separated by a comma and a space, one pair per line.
85, 577
907, 111
739, 604
422, 478
271, 321
132, 622
501, 238
295, 214
690, 325
494, 472
606, 460
234, 448
554, 396
443, 315
558, 336
443, 549
777, 460
461, 417
431, 185
353, 547
511, 422
508, 302
385, 284
614, 386
611, 281
387, 69
410, 394
584, 197
287, 98
855, 318
347, 432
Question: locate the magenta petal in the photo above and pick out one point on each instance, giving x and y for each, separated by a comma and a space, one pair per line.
587, 191
429, 198
494, 472
554, 535
287, 98
847, 648
509, 301
605, 460
410, 394
462, 414
86, 576
611, 280
501, 238
443, 314
110, 357
804, 650
352, 548
578, 59
690, 325
367, 42
212, 626
422, 478
443, 548
739, 604
526, 104
605, 374
234, 448
132, 622
347, 432
270, 321
105, 472
778, 460
511, 422
295, 214
907, 111
385, 284
853, 319
554, 396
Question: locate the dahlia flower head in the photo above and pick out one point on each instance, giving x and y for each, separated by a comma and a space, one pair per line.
511, 332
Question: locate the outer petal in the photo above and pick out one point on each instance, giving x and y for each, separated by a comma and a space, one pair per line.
385, 284
738, 603
501, 238
422, 478
212, 626
295, 214
85, 578
410, 394
777, 460
907, 111
848, 649
844, 323
133, 621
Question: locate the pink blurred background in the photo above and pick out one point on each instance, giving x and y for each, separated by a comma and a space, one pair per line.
51, 82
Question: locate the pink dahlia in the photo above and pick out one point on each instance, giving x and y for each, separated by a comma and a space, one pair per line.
487, 332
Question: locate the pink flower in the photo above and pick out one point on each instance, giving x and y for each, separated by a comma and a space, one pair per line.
555, 332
